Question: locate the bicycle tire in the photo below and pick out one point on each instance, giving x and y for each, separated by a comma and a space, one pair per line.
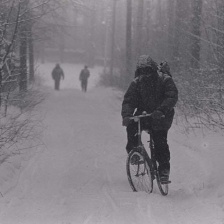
139, 175
163, 188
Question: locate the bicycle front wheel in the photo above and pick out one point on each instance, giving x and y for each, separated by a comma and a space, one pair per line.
139, 172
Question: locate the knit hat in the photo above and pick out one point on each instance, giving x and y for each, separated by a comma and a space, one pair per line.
145, 61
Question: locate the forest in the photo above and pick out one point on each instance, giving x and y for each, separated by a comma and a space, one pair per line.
189, 35
62, 153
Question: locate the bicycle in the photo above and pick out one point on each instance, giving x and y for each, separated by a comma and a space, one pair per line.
144, 171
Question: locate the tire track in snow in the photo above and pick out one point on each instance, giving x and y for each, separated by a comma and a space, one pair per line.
98, 192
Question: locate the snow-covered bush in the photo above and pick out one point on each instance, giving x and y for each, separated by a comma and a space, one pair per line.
201, 102
20, 123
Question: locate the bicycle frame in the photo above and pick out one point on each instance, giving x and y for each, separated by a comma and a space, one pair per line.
163, 187
151, 143
137, 119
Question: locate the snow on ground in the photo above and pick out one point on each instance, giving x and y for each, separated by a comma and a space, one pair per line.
79, 177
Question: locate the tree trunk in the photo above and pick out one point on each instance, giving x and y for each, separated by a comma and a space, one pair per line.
61, 45
176, 50
129, 39
23, 61
23, 47
139, 28
75, 26
0, 88
159, 13
170, 27
181, 40
31, 55
42, 52
91, 40
113, 37
148, 21
196, 25
220, 32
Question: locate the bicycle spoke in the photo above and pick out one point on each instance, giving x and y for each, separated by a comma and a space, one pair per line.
139, 174
142, 171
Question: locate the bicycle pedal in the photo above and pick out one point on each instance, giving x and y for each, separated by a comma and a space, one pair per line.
141, 162
138, 162
165, 182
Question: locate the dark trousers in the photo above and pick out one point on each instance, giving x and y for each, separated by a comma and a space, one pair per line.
162, 152
84, 85
56, 84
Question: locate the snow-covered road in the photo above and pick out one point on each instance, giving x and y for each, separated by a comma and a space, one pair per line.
80, 176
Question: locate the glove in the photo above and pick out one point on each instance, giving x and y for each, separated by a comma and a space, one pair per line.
126, 121
157, 115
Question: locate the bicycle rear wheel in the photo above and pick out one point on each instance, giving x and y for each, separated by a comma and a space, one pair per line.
139, 172
162, 187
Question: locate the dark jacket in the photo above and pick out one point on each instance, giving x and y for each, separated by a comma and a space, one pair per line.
57, 73
84, 74
149, 93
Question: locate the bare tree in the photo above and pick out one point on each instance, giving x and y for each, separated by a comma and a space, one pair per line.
23, 45
170, 13
8, 35
177, 35
113, 36
196, 33
129, 39
139, 28
31, 53
18, 123
220, 31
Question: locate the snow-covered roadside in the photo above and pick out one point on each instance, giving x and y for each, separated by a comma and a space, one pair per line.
20, 136
206, 149
10, 170
13, 165
80, 177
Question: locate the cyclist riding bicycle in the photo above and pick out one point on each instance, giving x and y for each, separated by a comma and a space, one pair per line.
154, 92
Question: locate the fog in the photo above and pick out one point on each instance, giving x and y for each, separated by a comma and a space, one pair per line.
81, 32
62, 151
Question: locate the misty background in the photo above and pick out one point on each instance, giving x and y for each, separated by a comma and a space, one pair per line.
111, 34
62, 153
189, 35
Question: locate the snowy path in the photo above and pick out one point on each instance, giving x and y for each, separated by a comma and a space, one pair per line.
80, 177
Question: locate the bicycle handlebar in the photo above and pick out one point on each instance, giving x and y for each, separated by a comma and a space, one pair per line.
140, 116
136, 118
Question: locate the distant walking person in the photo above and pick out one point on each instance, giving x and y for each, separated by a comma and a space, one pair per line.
57, 74
83, 77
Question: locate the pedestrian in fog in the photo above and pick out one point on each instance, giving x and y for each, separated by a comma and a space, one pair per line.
83, 77
57, 74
